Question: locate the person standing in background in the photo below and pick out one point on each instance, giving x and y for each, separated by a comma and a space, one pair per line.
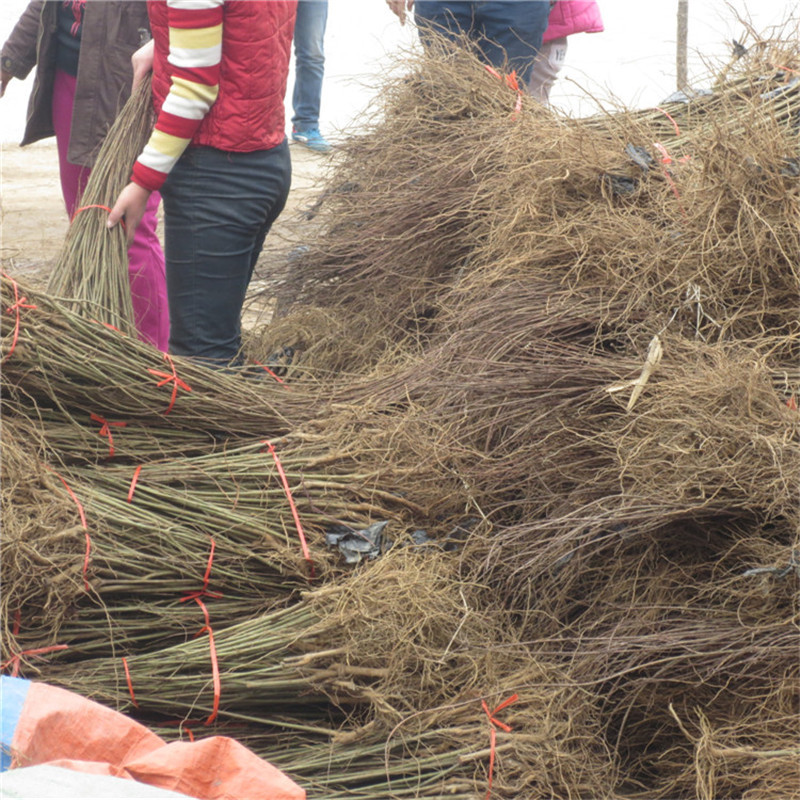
508, 34
566, 18
82, 54
309, 55
219, 156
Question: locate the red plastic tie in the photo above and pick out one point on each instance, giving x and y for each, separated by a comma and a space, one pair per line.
270, 372
83, 524
18, 304
301, 535
512, 82
204, 592
94, 205
787, 69
107, 325
105, 430
666, 159
37, 651
134, 481
494, 725
130, 682
170, 378
671, 119
214, 663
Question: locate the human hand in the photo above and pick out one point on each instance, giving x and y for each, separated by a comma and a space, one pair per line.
142, 63
129, 208
5, 77
399, 7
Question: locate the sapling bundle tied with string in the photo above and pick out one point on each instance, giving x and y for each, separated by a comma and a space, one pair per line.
42, 551
575, 341
409, 653
91, 273
60, 367
243, 526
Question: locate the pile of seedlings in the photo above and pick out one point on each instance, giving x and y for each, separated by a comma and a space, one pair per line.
522, 522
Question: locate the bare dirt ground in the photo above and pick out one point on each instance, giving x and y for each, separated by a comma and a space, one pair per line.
33, 221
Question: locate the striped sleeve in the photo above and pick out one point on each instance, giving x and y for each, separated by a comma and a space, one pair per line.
195, 51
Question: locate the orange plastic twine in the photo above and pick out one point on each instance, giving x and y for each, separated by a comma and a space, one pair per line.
666, 160
270, 372
18, 304
204, 592
170, 378
214, 663
107, 325
134, 481
512, 82
494, 724
83, 525
95, 205
130, 682
284, 481
37, 651
671, 119
105, 430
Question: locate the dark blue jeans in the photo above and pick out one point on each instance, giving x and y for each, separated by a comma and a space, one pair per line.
218, 208
509, 34
309, 63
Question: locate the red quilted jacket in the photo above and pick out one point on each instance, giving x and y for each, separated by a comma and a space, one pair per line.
248, 114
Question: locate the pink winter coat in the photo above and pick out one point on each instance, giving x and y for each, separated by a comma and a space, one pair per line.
573, 16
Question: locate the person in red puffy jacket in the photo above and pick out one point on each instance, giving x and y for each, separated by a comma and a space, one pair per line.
566, 18
219, 156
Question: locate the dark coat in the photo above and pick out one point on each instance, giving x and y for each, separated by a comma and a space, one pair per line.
112, 31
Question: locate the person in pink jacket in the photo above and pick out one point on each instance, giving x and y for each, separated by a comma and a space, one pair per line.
566, 17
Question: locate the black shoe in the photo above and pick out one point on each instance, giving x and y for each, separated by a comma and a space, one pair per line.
280, 361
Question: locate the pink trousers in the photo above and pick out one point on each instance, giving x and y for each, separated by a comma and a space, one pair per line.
145, 256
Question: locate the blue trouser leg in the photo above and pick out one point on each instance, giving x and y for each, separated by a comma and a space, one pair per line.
512, 30
509, 34
448, 18
218, 207
309, 33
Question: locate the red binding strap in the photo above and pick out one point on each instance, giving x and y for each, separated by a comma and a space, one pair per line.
130, 682
494, 725
170, 378
85, 527
285, 483
671, 119
270, 372
134, 481
204, 592
512, 82
105, 430
18, 304
37, 651
214, 663
94, 205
